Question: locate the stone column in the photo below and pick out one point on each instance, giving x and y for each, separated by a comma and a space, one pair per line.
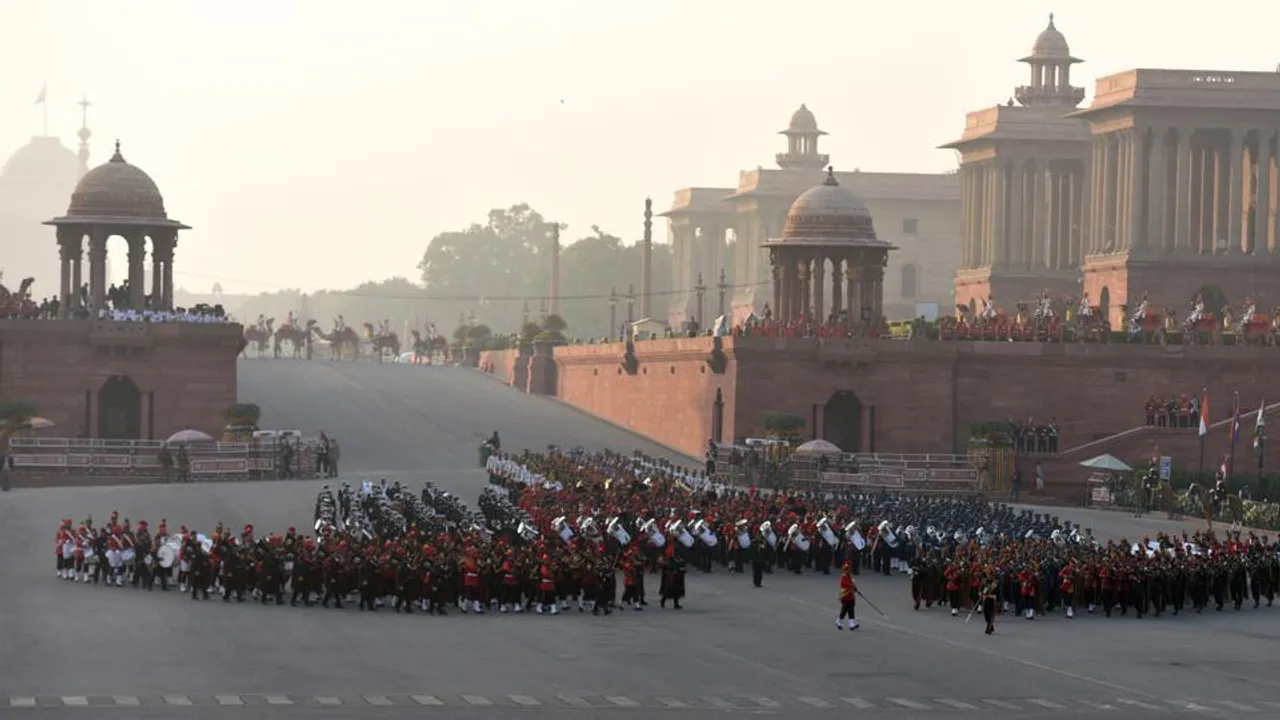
1262, 193
167, 288
853, 293
819, 272
1095, 197
1039, 223
966, 198
1016, 191
989, 214
1119, 191
777, 284
1221, 198
137, 271
836, 271
876, 291
97, 271
1182, 191
804, 289
1139, 184
1077, 217
157, 277
1157, 186
77, 262
1000, 241
1235, 167
64, 272
786, 271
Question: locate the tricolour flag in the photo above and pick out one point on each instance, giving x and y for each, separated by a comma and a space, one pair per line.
40, 98
1204, 413
1259, 424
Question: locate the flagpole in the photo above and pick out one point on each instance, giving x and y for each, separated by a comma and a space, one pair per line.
1235, 435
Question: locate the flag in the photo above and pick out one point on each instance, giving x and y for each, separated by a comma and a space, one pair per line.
1235, 423
40, 97
1259, 425
1204, 414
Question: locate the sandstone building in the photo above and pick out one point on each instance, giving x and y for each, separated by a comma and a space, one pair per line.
719, 234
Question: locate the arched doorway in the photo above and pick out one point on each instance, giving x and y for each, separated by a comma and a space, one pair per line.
1214, 299
1104, 303
842, 421
119, 409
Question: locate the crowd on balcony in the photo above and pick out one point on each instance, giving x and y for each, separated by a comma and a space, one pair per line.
21, 306
1035, 437
1169, 411
836, 325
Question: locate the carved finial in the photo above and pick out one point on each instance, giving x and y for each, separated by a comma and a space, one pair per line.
117, 157
648, 208
831, 176
1051, 27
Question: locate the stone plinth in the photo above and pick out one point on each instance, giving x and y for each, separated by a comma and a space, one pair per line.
542, 378
185, 372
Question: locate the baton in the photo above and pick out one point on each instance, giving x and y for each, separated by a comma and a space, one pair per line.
873, 605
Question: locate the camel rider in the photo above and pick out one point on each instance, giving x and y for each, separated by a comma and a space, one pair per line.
1045, 310
262, 321
289, 319
1197, 311
1250, 309
339, 324
988, 308
1135, 321
1086, 310
385, 330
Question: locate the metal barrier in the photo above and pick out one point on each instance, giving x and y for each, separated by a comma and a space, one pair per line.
258, 460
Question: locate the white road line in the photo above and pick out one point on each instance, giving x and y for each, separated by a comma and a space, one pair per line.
382, 700
126, 700
1047, 703
1268, 703
1188, 705
328, 700
955, 704
229, 700
526, 700
1098, 705
1001, 704
672, 702
75, 700
622, 701
859, 703
910, 704
1237, 705
476, 700
719, 702
177, 700
278, 700
816, 702
1138, 703
765, 702
22, 702
426, 699
573, 700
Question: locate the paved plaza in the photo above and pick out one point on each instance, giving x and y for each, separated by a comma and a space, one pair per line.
70, 650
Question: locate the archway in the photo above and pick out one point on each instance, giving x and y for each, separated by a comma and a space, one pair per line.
119, 409
1214, 299
910, 281
842, 421
1104, 303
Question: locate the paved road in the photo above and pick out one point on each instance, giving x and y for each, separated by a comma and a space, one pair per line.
73, 651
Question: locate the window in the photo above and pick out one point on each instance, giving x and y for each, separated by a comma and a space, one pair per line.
909, 226
910, 281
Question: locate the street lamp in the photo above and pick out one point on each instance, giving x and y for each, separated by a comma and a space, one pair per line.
613, 311
721, 286
700, 289
631, 304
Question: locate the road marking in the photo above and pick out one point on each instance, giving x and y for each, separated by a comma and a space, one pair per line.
859, 703
955, 704
622, 701
1268, 703
765, 702
526, 700
328, 700
720, 702
426, 699
378, 700
910, 704
22, 702
1098, 705
816, 702
1002, 704
672, 702
1138, 703
1047, 703
75, 700
1237, 705
126, 700
477, 700
177, 700
1188, 705
229, 700
278, 700
574, 700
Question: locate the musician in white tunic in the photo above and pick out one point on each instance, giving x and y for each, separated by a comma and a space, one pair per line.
1197, 311
988, 308
1135, 321
1085, 310
1250, 310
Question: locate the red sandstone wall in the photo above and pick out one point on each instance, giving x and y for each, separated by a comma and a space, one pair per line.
669, 398
191, 369
499, 363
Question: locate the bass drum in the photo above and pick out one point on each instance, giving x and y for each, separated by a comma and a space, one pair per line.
167, 556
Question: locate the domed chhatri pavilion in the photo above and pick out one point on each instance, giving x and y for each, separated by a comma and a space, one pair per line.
117, 199
828, 227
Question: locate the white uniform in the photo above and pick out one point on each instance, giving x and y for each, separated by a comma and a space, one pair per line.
1249, 312
1086, 310
988, 310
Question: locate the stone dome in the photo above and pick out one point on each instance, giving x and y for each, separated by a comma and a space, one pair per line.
44, 157
1051, 44
802, 120
117, 189
828, 213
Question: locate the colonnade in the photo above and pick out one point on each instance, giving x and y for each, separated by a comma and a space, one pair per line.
71, 247
1182, 189
1023, 213
857, 282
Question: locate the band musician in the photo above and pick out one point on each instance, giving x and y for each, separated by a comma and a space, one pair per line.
846, 594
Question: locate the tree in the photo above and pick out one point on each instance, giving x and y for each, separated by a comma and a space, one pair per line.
554, 323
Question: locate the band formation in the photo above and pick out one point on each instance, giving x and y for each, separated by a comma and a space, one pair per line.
554, 530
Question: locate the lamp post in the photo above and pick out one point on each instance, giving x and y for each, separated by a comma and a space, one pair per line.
721, 286
631, 304
613, 312
524, 314
700, 289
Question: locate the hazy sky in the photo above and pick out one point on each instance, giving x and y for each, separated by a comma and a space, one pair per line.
316, 143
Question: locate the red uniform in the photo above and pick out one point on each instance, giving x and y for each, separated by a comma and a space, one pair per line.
846, 594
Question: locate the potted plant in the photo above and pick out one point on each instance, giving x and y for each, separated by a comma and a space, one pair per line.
242, 421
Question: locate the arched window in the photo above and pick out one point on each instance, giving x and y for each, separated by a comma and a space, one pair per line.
910, 281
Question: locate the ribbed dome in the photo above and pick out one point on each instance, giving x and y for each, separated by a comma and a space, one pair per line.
117, 189
803, 120
44, 157
1051, 44
828, 212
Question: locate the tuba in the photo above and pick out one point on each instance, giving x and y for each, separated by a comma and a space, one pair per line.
744, 535
677, 530
854, 534
886, 533
797, 538
649, 528
561, 527
703, 532
829, 537
527, 532
618, 530
1057, 538
766, 532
